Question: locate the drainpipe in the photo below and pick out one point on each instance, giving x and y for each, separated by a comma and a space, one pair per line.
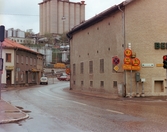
123, 32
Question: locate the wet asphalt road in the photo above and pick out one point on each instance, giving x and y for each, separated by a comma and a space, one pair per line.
52, 109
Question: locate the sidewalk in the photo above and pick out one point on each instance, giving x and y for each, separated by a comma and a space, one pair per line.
116, 97
9, 113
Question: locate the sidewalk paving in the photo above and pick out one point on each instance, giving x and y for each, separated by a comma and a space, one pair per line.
10, 113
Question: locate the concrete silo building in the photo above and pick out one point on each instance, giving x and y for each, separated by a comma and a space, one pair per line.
59, 16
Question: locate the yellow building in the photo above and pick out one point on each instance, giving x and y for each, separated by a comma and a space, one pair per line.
98, 45
59, 16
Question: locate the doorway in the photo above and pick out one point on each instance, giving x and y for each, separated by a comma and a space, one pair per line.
8, 77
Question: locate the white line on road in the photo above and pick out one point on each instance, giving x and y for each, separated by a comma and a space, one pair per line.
78, 103
114, 111
50, 95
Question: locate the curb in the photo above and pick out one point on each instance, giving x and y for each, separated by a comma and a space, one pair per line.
14, 120
22, 117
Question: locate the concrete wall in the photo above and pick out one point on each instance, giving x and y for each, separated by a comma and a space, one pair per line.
100, 41
145, 24
52, 12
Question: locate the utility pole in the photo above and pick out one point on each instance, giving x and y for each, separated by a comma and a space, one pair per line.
2, 32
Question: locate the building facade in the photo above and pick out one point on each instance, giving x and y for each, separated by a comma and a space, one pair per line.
22, 66
139, 25
17, 35
59, 16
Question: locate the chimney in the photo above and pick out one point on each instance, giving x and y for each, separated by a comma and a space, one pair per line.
82, 2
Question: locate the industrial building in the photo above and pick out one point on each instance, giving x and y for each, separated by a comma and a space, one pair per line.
137, 26
59, 16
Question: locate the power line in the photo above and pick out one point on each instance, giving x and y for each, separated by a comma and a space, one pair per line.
19, 14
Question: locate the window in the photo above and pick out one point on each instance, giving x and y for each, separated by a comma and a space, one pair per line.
82, 83
17, 58
27, 60
101, 83
91, 83
34, 62
101, 65
90, 66
22, 59
30, 61
8, 57
81, 67
114, 84
74, 68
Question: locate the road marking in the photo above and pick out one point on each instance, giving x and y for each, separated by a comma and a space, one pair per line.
50, 95
114, 111
78, 103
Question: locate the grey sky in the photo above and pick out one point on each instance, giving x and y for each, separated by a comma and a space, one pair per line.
24, 14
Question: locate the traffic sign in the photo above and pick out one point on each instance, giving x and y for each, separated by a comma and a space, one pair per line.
116, 60
128, 52
127, 60
135, 62
116, 68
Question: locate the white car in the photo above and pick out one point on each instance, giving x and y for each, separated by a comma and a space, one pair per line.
44, 80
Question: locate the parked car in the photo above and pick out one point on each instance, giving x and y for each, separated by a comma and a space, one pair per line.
44, 80
64, 77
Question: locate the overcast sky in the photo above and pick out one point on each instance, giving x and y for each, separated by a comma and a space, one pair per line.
24, 14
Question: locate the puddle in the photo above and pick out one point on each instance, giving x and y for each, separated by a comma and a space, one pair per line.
11, 111
26, 111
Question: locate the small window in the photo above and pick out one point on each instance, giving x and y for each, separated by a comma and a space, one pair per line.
90, 66
82, 68
91, 83
101, 83
74, 68
101, 65
27, 60
82, 83
22, 59
17, 58
34, 62
8, 57
114, 84
30, 61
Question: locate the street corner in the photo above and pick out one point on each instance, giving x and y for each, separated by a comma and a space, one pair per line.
10, 113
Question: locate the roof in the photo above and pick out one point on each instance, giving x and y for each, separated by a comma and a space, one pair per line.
98, 17
45, 1
13, 45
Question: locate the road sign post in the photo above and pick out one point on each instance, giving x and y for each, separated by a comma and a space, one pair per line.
2, 33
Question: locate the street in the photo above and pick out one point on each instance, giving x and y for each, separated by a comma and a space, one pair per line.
53, 109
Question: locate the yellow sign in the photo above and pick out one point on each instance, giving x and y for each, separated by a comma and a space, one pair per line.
128, 52
116, 68
130, 67
135, 62
159, 65
9, 67
127, 67
127, 60
136, 68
